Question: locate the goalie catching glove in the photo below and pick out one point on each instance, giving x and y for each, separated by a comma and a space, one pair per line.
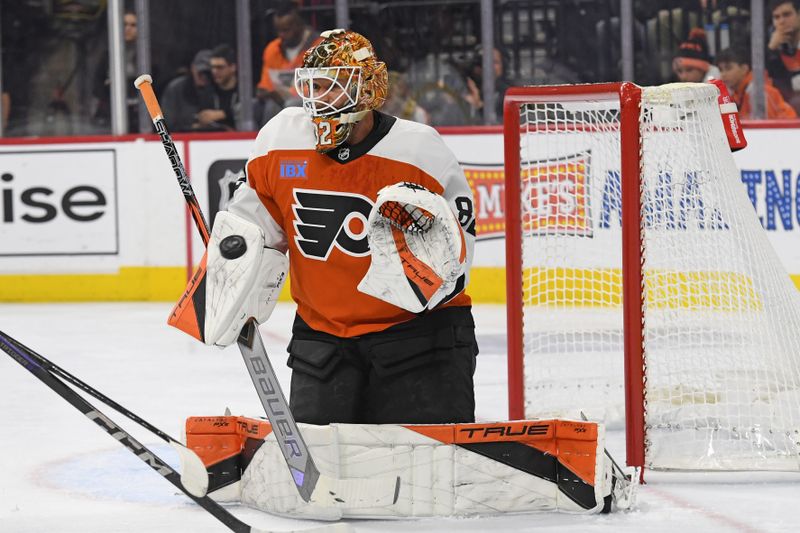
238, 278
418, 250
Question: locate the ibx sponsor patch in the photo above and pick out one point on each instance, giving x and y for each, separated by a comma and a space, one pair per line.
293, 168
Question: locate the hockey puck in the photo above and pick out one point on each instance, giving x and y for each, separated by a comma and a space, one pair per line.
232, 247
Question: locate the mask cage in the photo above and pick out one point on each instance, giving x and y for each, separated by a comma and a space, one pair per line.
328, 91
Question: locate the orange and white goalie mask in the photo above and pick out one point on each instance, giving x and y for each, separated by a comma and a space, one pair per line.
340, 81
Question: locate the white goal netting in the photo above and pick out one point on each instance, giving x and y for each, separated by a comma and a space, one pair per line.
721, 316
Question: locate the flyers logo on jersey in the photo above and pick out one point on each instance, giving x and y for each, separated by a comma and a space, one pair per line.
324, 220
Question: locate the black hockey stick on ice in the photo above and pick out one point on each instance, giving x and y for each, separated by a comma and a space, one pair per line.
194, 475
313, 486
36, 365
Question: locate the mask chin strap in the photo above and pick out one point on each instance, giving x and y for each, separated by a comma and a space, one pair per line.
352, 118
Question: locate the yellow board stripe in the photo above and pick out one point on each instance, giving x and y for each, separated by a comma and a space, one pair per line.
129, 283
568, 286
487, 285
721, 291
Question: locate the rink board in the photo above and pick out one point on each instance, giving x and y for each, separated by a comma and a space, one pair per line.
102, 219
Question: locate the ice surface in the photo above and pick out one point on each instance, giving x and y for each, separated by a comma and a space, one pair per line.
59, 473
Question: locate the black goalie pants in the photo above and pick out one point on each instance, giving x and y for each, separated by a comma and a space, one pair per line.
417, 372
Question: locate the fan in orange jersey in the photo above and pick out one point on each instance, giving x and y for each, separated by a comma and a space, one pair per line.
377, 219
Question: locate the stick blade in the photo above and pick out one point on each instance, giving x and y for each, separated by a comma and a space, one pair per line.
355, 493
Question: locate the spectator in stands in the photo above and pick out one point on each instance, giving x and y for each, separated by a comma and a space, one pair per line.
102, 82
475, 81
692, 63
186, 95
734, 67
283, 54
400, 102
222, 112
783, 56
441, 93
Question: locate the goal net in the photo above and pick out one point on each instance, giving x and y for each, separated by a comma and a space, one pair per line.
638, 270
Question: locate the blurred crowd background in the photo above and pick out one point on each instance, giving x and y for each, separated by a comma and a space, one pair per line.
227, 65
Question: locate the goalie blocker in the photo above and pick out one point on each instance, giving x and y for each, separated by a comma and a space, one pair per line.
238, 278
446, 470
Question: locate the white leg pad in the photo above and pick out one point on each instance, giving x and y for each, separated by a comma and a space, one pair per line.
437, 478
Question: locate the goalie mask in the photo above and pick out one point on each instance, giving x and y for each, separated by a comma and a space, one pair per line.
340, 81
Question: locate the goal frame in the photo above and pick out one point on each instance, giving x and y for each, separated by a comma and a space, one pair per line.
629, 96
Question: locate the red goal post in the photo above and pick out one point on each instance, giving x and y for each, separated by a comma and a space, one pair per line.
657, 158
632, 306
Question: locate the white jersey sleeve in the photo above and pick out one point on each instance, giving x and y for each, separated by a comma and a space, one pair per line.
246, 202
459, 197
247, 205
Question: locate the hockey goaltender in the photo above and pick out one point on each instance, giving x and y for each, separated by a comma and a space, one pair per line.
376, 217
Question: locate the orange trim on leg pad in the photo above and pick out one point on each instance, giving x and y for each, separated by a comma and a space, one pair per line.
221, 442
572, 443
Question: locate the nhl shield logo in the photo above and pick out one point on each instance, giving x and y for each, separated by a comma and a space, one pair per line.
227, 184
222, 178
344, 154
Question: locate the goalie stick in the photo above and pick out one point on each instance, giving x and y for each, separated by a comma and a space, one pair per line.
45, 371
313, 486
623, 486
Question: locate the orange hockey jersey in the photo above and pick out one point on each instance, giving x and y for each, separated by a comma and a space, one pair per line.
315, 206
